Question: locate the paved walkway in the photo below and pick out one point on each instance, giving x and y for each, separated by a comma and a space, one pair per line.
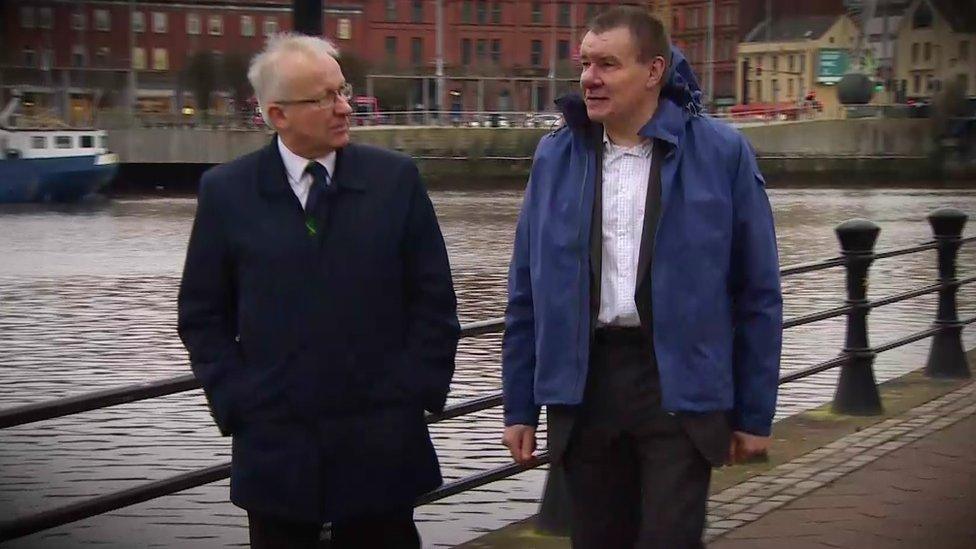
909, 481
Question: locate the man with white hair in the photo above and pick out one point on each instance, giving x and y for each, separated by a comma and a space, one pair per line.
320, 317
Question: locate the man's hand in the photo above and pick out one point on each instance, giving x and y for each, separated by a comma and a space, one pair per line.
745, 447
520, 441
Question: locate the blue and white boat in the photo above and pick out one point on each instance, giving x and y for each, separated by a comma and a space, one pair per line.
52, 164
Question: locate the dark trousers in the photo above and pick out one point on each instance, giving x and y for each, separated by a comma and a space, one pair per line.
394, 530
635, 477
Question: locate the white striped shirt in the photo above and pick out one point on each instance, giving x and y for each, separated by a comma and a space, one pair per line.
625, 174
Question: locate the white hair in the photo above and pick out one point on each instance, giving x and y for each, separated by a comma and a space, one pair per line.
267, 80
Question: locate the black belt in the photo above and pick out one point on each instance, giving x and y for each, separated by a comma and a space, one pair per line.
618, 334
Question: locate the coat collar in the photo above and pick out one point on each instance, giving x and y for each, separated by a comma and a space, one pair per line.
273, 180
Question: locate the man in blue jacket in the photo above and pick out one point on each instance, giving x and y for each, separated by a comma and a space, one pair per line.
644, 303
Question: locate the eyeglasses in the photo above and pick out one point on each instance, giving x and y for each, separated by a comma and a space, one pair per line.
326, 102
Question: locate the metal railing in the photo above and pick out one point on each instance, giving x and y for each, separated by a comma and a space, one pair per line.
856, 393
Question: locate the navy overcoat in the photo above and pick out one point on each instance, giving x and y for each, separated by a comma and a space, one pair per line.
319, 353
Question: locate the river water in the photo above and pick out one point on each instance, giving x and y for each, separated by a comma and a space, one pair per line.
88, 301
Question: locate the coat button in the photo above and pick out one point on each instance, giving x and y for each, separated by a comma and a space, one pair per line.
237, 338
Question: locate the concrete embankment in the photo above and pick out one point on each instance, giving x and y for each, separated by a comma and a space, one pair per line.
834, 151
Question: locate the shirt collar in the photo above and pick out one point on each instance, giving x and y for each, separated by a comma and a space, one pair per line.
643, 149
295, 165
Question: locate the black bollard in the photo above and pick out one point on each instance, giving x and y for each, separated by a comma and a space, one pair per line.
554, 516
947, 359
857, 392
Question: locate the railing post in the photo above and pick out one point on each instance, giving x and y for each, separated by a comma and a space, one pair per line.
554, 516
857, 391
947, 359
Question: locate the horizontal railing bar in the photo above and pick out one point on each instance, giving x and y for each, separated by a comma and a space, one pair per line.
483, 327
31, 413
918, 336
480, 479
44, 520
905, 251
884, 254
816, 369
467, 407
811, 267
817, 317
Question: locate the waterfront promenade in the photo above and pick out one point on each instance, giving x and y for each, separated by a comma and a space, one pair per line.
904, 479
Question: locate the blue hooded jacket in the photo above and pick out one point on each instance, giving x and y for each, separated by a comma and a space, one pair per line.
717, 307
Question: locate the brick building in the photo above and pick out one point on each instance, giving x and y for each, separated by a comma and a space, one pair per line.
497, 54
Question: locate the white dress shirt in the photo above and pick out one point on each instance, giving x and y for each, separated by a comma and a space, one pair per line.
298, 178
625, 174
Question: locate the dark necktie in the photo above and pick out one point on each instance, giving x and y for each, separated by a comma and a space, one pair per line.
317, 196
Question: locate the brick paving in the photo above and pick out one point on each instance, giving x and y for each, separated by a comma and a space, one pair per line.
909, 481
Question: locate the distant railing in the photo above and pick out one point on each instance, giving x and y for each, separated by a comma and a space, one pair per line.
857, 392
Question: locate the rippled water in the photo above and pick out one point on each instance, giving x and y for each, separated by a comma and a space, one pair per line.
88, 301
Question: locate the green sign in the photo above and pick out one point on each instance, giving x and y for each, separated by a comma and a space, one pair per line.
832, 65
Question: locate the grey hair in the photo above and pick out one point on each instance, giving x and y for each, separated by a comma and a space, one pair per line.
267, 80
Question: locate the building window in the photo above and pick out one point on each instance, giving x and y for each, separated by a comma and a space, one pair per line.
160, 22
103, 20
391, 47
803, 62
916, 82
496, 13
416, 51
26, 17
482, 12
139, 59
466, 12
481, 50
391, 14
101, 56
962, 80
78, 20
465, 51
789, 88
536, 13
691, 15
45, 19
563, 50
759, 96
344, 28
417, 13
138, 21
964, 50
215, 25
62, 141
792, 62
730, 15
270, 26
496, 51
247, 25
536, 55
775, 63
192, 23
79, 57
47, 58
39, 142
88, 142
30, 57
915, 52
927, 48
160, 59
563, 20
